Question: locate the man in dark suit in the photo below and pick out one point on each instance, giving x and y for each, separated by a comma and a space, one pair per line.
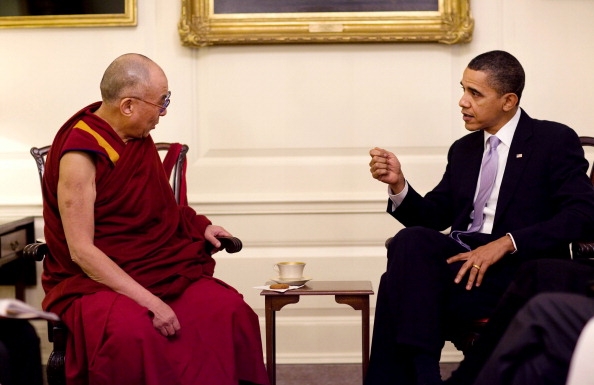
539, 343
538, 201
534, 278
20, 353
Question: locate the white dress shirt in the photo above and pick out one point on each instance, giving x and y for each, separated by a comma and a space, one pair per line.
505, 135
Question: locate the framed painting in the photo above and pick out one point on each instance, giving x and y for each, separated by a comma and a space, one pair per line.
210, 22
60, 13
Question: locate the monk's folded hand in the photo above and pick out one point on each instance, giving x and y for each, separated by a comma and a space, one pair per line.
164, 319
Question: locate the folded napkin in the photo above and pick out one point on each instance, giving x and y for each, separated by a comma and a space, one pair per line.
267, 287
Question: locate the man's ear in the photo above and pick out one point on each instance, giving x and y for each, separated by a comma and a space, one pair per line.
510, 101
126, 106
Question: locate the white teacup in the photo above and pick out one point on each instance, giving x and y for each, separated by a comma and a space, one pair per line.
289, 270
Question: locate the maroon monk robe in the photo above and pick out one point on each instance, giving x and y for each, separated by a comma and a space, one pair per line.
161, 245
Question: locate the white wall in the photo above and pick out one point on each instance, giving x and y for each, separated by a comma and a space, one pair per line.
279, 135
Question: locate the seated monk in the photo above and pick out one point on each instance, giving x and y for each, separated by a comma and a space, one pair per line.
130, 271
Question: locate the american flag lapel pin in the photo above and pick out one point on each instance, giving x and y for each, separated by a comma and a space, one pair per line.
518, 156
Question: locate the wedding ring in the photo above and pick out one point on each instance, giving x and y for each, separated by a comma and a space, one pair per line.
476, 267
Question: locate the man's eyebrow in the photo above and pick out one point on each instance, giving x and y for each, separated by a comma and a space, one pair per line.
472, 89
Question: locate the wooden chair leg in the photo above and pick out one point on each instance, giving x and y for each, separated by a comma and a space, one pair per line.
56, 364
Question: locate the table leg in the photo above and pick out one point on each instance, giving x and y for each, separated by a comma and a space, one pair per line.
273, 304
19, 290
360, 302
270, 342
365, 331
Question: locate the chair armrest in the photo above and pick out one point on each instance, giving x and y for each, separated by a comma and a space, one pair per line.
583, 249
230, 244
36, 251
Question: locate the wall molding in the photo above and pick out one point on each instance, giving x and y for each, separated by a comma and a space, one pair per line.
261, 205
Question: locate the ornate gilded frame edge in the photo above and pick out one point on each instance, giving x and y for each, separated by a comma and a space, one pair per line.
200, 27
128, 18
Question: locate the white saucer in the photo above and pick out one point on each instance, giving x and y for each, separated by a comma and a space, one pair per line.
292, 281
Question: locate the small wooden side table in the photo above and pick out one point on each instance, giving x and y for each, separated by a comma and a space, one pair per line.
15, 234
353, 293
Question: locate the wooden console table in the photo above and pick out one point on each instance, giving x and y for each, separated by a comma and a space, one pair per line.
353, 293
15, 234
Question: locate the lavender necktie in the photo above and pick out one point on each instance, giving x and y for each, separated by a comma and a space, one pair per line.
486, 183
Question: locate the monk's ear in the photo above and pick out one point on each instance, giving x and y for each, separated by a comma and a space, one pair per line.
510, 101
126, 106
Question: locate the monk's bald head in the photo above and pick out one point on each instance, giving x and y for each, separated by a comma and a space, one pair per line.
127, 74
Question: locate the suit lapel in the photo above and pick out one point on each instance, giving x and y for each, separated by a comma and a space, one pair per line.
474, 158
470, 161
517, 160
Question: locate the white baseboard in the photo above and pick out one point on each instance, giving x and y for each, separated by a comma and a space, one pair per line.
326, 339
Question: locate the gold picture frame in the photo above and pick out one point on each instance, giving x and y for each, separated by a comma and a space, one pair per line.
127, 18
450, 23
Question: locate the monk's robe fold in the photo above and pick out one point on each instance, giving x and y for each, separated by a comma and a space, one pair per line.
161, 245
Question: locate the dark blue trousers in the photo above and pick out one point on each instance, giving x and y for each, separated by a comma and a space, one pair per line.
418, 302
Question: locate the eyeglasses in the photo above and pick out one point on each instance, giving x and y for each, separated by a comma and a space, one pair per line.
161, 107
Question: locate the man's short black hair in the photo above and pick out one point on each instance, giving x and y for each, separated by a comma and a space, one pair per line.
506, 74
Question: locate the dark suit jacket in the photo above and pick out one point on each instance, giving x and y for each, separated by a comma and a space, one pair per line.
546, 199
